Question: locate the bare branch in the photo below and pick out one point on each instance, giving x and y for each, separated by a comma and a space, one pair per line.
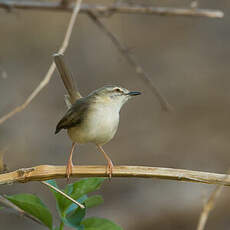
209, 205
104, 10
8, 204
131, 60
51, 69
45, 172
63, 194
3, 166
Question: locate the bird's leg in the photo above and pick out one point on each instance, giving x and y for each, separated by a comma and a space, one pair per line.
109, 168
69, 166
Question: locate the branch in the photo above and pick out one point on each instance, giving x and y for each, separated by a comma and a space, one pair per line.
46, 172
51, 69
209, 205
104, 10
3, 166
131, 60
18, 210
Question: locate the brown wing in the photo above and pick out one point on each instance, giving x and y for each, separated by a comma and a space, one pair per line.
74, 116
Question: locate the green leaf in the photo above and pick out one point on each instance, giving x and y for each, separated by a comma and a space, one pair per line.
78, 189
73, 206
1, 207
93, 201
34, 206
74, 214
94, 223
74, 218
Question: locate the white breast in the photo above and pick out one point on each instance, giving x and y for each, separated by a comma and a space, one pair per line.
99, 127
103, 123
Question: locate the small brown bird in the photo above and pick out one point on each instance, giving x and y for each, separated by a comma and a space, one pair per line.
95, 119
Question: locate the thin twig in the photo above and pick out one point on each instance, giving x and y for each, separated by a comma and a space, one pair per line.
46, 172
3, 166
209, 205
5, 202
131, 60
51, 69
63, 194
105, 10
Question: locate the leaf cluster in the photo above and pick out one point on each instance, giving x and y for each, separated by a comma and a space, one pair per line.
70, 214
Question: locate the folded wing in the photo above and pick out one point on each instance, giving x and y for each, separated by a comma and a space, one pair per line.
74, 116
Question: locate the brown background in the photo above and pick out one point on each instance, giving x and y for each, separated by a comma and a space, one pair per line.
187, 58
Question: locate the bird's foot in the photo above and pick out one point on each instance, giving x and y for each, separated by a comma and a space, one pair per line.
109, 169
69, 169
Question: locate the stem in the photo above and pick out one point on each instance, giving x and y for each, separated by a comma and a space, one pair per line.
61, 225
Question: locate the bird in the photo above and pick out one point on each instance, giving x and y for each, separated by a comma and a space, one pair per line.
95, 119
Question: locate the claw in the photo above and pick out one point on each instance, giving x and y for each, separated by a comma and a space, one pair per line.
109, 169
69, 169
69, 166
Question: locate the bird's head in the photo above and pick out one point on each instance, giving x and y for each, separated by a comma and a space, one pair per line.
114, 95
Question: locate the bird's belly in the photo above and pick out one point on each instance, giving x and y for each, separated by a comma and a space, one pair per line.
97, 128
103, 127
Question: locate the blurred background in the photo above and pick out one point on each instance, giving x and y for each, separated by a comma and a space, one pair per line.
186, 57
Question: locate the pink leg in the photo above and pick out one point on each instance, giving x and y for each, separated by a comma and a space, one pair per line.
70, 163
109, 168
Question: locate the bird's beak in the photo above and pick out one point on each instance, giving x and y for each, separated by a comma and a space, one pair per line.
133, 93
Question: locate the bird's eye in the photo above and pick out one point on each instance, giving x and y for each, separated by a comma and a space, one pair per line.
118, 90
